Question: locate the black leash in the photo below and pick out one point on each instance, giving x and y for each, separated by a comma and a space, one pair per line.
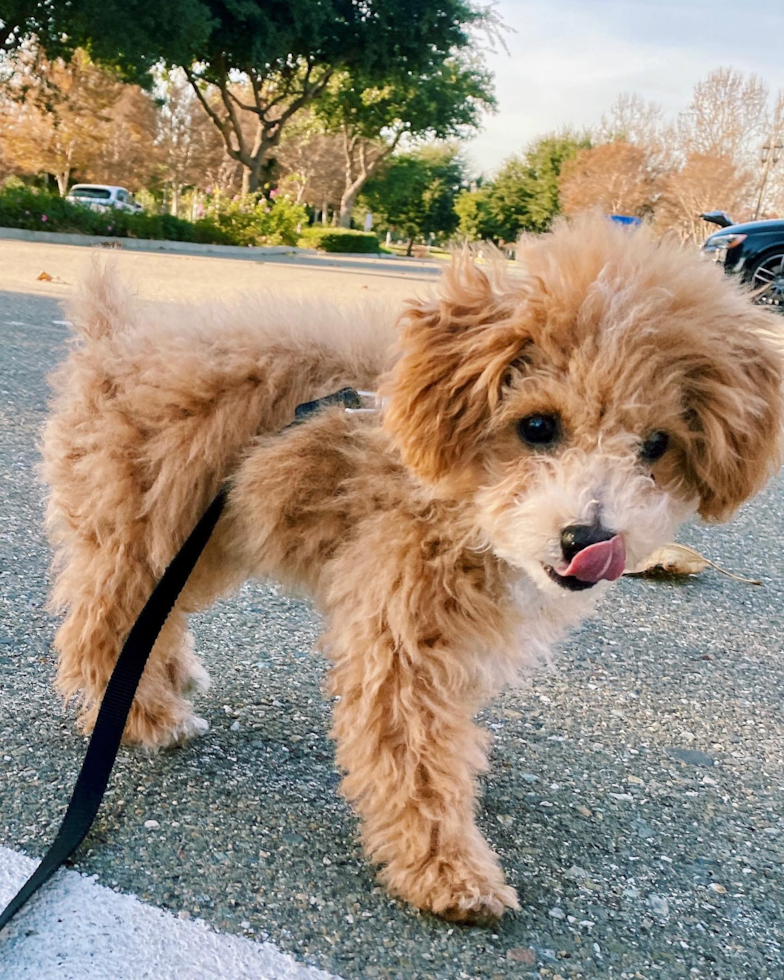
104, 744
105, 741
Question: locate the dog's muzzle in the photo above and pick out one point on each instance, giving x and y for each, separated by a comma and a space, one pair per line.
591, 554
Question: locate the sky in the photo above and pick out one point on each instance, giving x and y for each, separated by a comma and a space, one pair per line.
568, 60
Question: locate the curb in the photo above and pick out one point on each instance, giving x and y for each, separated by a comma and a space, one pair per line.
148, 244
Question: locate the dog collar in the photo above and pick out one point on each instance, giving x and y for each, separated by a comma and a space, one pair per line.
351, 399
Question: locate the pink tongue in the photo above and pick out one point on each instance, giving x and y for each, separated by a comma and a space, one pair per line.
603, 560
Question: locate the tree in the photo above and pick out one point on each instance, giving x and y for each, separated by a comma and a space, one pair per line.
373, 120
632, 120
286, 53
730, 116
311, 163
191, 152
704, 182
770, 186
475, 219
126, 152
60, 117
127, 37
616, 177
415, 194
726, 116
525, 194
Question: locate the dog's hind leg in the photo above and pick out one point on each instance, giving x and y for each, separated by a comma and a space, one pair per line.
103, 591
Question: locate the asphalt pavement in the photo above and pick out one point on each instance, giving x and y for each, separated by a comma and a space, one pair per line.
636, 794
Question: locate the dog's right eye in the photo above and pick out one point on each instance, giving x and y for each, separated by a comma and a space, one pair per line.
655, 446
539, 430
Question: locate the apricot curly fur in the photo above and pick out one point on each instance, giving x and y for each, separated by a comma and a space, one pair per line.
424, 533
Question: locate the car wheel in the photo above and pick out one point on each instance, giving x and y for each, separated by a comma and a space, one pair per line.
767, 280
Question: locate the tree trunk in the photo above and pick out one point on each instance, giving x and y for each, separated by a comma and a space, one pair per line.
62, 181
347, 204
269, 172
409, 247
263, 171
174, 208
325, 213
258, 166
367, 167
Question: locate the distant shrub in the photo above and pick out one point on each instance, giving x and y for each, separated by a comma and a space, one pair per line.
254, 220
241, 222
329, 239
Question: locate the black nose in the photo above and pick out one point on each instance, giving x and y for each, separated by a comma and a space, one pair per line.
578, 536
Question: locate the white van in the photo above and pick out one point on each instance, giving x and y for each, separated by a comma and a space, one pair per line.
102, 197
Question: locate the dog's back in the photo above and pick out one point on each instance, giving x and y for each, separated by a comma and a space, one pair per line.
155, 402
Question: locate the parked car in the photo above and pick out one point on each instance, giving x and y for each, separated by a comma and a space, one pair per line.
755, 252
103, 197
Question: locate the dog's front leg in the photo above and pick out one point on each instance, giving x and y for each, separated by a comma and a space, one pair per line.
407, 741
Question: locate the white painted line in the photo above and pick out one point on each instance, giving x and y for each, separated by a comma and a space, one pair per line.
16, 323
76, 929
63, 323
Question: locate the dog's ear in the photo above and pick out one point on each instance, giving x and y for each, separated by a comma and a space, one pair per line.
734, 417
456, 356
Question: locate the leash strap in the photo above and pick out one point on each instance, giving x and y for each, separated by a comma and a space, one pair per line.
110, 723
104, 744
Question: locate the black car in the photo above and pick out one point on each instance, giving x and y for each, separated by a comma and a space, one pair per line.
754, 251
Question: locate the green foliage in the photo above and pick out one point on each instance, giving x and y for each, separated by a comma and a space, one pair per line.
286, 53
416, 192
379, 37
524, 195
228, 223
443, 104
328, 239
253, 220
476, 222
128, 37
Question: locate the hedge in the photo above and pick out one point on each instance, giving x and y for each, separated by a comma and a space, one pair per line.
24, 207
229, 222
329, 239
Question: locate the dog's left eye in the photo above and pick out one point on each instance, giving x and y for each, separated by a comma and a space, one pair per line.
655, 446
539, 430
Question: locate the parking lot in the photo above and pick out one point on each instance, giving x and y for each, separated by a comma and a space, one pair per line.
636, 793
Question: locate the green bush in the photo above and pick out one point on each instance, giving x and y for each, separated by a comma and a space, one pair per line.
253, 220
240, 222
24, 207
329, 239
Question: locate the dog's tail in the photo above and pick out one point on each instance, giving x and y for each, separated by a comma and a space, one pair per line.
103, 304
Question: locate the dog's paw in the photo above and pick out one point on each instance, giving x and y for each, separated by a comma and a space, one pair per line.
470, 890
475, 904
197, 680
189, 728
194, 678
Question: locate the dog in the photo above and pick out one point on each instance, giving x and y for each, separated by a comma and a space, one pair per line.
541, 429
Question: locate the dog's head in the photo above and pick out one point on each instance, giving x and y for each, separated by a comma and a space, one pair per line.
588, 404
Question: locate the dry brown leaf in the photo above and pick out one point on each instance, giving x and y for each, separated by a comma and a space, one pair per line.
678, 559
46, 277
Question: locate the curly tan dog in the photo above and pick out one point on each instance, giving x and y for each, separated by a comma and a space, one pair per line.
540, 431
